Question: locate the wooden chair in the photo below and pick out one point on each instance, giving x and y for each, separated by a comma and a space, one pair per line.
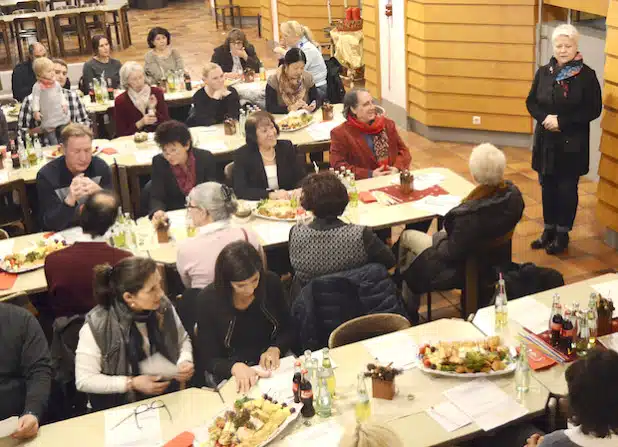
367, 326
98, 25
4, 235
28, 28
70, 28
228, 173
12, 214
6, 40
477, 289
233, 9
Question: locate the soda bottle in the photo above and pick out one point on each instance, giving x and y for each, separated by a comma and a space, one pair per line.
522, 373
555, 321
188, 85
110, 90
568, 332
363, 406
14, 155
328, 371
306, 396
324, 404
93, 97
296, 382
501, 307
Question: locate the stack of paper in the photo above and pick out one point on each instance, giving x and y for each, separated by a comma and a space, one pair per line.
396, 348
529, 313
449, 416
439, 205
321, 131
485, 403
127, 433
279, 384
327, 434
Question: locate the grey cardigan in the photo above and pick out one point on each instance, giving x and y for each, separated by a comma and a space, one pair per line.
156, 68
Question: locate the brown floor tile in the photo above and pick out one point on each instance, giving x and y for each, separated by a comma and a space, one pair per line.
527, 228
534, 211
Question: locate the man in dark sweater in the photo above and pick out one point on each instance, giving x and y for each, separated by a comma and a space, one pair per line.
23, 77
25, 370
65, 182
69, 271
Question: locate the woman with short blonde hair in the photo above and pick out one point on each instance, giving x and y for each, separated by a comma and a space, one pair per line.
215, 102
370, 435
564, 98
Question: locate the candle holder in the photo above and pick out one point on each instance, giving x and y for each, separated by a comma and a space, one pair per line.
605, 311
249, 75
327, 112
382, 380
406, 179
229, 126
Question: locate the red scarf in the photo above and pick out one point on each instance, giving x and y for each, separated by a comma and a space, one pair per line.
377, 130
185, 175
47, 83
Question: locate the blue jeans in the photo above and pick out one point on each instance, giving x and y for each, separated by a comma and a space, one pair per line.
560, 199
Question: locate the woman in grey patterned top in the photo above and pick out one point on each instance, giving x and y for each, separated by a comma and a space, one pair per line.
162, 58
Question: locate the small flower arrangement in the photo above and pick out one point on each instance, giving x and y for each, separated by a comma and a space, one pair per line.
382, 380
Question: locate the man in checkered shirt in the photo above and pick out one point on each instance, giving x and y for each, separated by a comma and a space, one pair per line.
77, 111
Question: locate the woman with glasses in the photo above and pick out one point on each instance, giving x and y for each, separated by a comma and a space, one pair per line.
235, 55
178, 169
210, 207
243, 320
132, 322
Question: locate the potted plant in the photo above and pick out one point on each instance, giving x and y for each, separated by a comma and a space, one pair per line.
382, 380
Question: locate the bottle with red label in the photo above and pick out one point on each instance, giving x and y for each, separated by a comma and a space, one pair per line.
555, 322
14, 155
93, 96
568, 332
296, 380
306, 396
110, 89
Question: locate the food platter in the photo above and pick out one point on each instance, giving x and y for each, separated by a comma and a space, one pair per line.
250, 423
32, 258
294, 121
467, 359
278, 210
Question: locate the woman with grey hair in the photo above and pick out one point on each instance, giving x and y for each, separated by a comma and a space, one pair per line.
210, 207
489, 211
367, 143
141, 107
565, 97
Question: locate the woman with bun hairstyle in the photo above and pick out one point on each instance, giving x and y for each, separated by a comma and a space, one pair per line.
132, 321
210, 207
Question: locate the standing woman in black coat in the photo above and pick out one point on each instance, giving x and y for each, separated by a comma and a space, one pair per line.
565, 97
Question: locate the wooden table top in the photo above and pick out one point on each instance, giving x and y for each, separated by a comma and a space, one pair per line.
552, 378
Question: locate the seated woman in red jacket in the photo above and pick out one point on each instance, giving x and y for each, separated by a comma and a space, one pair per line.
367, 143
141, 108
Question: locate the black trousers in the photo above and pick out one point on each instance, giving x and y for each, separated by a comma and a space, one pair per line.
560, 200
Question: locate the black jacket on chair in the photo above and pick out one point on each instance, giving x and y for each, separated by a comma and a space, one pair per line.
165, 194
250, 182
466, 227
576, 103
223, 57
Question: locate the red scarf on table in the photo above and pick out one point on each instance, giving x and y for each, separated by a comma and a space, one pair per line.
377, 130
185, 175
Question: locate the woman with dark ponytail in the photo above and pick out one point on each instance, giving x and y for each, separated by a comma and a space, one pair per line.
132, 321
210, 207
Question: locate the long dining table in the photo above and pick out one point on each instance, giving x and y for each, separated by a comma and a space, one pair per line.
193, 409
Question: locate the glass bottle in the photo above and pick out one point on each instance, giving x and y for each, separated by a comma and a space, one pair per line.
501, 305
353, 191
328, 371
582, 343
91, 93
363, 406
171, 82
103, 88
593, 317
522, 373
555, 321
110, 90
23, 154
38, 148
306, 396
324, 403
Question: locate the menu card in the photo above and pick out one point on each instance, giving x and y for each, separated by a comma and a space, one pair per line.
397, 348
485, 403
449, 416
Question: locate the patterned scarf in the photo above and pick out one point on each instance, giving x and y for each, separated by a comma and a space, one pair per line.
291, 91
140, 99
486, 191
569, 70
185, 175
377, 130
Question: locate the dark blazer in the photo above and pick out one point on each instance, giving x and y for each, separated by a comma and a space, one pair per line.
576, 102
250, 182
441, 266
126, 114
223, 57
165, 194
216, 323
22, 80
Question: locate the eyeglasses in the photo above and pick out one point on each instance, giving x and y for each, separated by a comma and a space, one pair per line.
144, 408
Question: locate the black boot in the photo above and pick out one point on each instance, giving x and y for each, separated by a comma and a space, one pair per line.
559, 244
546, 238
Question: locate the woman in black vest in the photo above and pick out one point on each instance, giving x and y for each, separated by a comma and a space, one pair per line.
565, 97
133, 321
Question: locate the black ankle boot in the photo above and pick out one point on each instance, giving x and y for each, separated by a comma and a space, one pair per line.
546, 238
559, 244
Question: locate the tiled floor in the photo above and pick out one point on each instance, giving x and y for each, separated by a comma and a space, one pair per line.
194, 35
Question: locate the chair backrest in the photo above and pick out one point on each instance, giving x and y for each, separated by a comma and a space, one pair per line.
367, 326
4, 234
186, 308
23, 11
228, 172
20, 187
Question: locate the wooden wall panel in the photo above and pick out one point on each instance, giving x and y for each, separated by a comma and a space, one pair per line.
598, 7
267, 24
371, 47
311, 13
607, 192
248, 8
469, 58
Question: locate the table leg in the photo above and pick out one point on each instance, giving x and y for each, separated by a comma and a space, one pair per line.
135, 191
60, 36
123, 185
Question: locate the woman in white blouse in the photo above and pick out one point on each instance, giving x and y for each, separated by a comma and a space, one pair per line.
133, 321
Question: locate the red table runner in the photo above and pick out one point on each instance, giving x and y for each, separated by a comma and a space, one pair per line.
7, 280
395, 191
